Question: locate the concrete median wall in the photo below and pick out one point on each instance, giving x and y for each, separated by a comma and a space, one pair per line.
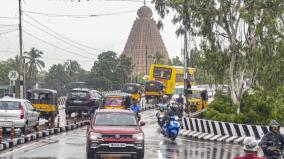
39, 135
221, 131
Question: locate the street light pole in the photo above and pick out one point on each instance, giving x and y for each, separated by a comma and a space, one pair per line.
21, 51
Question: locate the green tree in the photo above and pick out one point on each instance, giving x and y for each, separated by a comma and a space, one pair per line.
176, 61
158, 58
72, 67
74, 72
5, 67
34, 64
124, 69
57, 78
109, 72
238, 30
102, 72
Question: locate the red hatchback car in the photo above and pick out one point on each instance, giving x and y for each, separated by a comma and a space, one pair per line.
115, 132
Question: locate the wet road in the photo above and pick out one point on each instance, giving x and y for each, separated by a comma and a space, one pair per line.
71, 145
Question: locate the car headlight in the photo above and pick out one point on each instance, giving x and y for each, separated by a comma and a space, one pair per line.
139, 136
95, 136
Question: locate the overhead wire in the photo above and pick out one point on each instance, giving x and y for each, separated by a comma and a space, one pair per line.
79, 15
9, 25
59, 59
59, 38
46, 42
64, 37
3, 17
108, 0
8, 31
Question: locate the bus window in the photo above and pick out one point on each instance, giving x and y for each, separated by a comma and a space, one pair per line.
179, 77
162, 73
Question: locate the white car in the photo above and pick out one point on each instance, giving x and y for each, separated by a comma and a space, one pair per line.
17, 113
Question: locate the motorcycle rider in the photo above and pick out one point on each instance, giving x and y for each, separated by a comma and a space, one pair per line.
251, 148
180, 99
163, 107
272, 143
165, 103
136, 109
172, 112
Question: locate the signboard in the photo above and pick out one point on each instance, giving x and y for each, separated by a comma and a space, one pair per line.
13, 75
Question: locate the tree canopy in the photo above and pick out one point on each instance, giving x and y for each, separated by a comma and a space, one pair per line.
241, 41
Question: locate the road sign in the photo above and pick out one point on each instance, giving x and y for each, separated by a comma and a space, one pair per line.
13, 75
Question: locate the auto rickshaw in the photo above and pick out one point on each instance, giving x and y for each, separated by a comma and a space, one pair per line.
154, 89
198, 99
45, 102
134, 89
117, 101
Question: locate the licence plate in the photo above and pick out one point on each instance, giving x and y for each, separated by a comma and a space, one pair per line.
6, 124
117, 145
77, 101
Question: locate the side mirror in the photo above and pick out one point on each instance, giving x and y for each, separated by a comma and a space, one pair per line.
142, 123
87, 122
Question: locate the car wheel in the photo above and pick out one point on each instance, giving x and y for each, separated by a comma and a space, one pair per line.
138, 156
90, 154
52, 116
25, 128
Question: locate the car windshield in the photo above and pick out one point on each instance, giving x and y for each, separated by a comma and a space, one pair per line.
179, 90
9, 105
113, 102
115, 119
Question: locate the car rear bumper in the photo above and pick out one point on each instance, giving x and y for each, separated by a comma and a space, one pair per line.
80, 108
13, 123
104, 148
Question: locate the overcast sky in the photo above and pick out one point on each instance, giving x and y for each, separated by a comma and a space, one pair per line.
106, 32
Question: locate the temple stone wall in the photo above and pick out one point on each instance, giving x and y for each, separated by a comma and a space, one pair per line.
144, 41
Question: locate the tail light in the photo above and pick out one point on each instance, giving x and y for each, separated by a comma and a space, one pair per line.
22, 114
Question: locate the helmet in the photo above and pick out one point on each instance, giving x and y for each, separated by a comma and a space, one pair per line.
274, 123
174, 106
165, 96
250, 144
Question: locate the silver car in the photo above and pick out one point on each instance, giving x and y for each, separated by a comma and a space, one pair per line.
17, 113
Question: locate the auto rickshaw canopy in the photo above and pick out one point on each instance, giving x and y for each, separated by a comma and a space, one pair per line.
131, 88
42, 96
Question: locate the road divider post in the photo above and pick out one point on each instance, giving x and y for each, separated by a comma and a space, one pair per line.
13, 134
58, 121
1, 133
49, 123
37, 126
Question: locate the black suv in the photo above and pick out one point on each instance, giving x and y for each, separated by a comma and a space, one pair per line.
83, 100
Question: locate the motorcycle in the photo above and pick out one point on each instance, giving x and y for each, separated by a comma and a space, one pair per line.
277, 154
171, 128
161, 118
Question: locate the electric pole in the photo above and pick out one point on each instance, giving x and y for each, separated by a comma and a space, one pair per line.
186, 25
21, 52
